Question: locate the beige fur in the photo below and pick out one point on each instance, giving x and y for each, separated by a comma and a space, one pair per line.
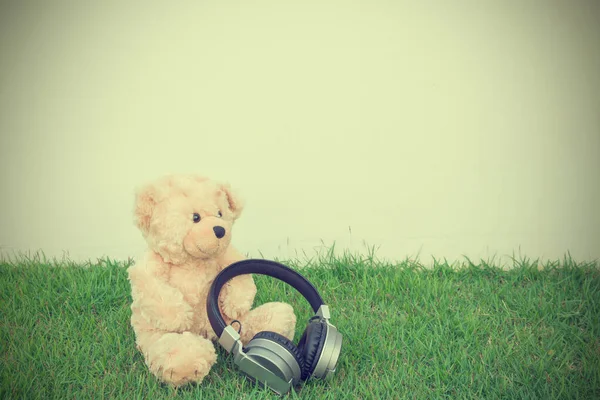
170, 282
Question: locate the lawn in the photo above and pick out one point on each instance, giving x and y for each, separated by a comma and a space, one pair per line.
476, 332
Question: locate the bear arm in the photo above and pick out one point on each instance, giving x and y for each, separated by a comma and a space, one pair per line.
230, 256
237, 296
159, 303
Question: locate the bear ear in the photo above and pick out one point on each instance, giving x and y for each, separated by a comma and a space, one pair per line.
145, 201
236, 204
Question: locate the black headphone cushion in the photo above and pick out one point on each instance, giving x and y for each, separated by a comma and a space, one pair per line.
311, 345
284, 342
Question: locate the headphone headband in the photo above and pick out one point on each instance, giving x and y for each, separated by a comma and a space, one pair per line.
260, 267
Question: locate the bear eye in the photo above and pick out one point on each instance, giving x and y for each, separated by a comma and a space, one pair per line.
196, 218
219, 213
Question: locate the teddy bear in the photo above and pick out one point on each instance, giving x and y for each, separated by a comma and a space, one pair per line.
186, 221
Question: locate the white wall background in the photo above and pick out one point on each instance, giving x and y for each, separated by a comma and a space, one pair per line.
440, 129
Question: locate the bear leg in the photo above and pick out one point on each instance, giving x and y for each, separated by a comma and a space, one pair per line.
178, 358
275, 317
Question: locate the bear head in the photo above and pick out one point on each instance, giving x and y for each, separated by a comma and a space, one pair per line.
186, 217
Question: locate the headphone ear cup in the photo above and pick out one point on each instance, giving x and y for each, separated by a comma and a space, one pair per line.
285, 343
311, 346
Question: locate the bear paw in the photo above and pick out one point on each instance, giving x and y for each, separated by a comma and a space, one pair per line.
181, 358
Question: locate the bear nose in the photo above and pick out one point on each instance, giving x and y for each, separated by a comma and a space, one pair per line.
219, 231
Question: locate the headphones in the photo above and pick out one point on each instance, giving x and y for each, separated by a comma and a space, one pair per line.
269, 358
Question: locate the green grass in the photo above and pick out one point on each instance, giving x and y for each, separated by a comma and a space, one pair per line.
409, 332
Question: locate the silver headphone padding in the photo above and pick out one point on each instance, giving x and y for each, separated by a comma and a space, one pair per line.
274, 378
274, 357
328, 358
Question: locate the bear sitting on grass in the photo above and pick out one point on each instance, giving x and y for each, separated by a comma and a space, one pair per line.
187, 221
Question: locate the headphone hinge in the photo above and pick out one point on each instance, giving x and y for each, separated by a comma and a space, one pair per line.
229, 339
323, 312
